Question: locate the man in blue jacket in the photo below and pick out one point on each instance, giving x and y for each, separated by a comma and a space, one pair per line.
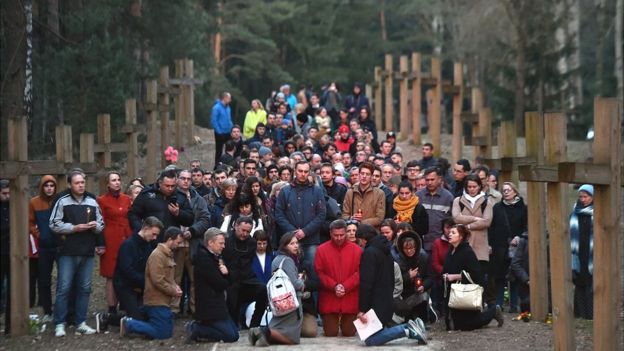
301, 208
221, 120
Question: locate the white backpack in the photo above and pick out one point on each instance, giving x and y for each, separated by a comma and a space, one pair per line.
282, 294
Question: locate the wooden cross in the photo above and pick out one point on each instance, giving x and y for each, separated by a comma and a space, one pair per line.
607, 169
185, 101
480, 117
17, 170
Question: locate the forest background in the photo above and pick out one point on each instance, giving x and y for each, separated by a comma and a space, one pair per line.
67, 61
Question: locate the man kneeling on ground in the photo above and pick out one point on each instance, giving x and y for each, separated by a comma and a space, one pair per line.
161, 291
212, 318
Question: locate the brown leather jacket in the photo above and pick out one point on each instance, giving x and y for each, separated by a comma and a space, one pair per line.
160, 286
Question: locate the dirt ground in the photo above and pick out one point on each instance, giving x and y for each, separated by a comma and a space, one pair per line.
514, 335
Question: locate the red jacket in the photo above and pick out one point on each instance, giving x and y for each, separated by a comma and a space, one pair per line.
343, 146
338, 265
438, 254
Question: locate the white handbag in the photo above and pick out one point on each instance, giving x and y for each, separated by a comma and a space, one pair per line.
466, 296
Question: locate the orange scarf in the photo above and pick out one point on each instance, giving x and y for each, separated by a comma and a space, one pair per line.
405, 209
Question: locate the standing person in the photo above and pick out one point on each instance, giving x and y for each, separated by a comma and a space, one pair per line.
115, 206
356, 101
460, 258
461, 169
363, 202
377, 288
212, 277
5, 256
129, 276
474, 210
255, 115
164, 201
437, 201
331, 100
238, 255
284, 329
161, 291
38, 217
407, 208
582, 244
77, 221
197, 180
221, 120
509, 222
427, 160
300, 208
337, 264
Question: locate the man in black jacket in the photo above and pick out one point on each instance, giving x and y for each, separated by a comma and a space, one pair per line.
164, 201
376, 289
212, 277
129, 276
238, 254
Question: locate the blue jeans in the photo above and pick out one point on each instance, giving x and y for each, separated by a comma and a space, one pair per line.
159, 323
513, 294
222, 330
386, 335
74, 270
309, 251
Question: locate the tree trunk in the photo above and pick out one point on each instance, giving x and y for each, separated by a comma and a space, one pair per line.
600, 23
382, 21
619, 59
520, 81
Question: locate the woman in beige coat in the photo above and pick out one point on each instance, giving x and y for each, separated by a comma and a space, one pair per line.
474, 210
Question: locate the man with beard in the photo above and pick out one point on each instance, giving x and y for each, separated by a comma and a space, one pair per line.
343, 143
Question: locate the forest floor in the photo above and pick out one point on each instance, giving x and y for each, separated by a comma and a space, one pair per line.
514, 335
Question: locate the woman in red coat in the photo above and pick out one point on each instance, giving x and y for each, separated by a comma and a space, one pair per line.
114, 205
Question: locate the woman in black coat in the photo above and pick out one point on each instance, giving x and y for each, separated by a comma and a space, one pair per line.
212, 320
406, 208
509, 221
460, 258
417, 279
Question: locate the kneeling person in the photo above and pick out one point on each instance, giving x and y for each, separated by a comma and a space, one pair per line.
161, 291
212, 278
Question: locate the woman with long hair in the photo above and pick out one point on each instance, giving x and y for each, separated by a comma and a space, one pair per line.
461, 257
406, 207
228, 188
284, 329
255, 115
115, 206
253, 188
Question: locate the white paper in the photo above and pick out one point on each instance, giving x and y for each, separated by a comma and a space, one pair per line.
365, 330
33, 245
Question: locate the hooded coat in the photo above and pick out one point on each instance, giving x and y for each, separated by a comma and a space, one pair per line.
377, 279
420, 260
39, 215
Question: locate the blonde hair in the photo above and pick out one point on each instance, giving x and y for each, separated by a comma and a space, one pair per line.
276, 187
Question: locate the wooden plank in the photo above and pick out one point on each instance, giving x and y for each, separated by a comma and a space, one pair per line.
507, 148
12, 169
416, 99
538, 173
189, 102
136, 128
559, 239
132, 143
476, 106
436, 111
538, 262
19, 192
485, 132
377, 100
179, 114
403, 117
476, 141
153, 157
458, 98
389, 110
163, 100
64, 152
581, 173
469, 117
110, 148
607, 216
509, 163
87, 154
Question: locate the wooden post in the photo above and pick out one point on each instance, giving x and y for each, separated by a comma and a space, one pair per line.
436, 116
607, 217
179, 107
537, 235
561, 277
389, 98
19, 284
403, 118
507, 148
163, 107
153, 157
458, 98
416, 99
378, 96
485, 132
131, 139
104, 158
87, 154
64, 152
189, 101
476, 106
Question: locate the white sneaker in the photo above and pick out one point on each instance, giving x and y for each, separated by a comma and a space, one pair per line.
60, 330
83, 328
47, 319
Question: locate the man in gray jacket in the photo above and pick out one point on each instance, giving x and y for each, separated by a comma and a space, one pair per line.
437, 201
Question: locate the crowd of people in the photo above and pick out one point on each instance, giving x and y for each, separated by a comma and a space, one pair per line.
307, 187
